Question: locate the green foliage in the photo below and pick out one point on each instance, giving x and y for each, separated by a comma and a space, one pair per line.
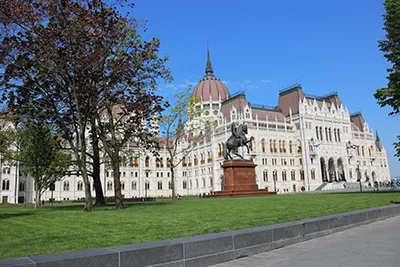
390, 46
41, 157
62, 228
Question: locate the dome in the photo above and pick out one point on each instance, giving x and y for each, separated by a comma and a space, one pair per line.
210, 87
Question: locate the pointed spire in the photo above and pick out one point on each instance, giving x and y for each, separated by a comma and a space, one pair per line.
378, 142
209, 70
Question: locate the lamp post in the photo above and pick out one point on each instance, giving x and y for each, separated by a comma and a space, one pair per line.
359, 176
274, 178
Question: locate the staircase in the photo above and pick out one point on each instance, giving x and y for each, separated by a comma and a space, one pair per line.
321, 186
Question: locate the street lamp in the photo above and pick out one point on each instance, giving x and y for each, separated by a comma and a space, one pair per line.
359, 176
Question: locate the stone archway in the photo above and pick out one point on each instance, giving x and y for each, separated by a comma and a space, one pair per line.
323, 169
340, 170
331, 170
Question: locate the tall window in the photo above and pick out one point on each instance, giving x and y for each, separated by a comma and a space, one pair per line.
263, 145
283, 146
147, 162
293, 175
313, 174
338, 135
159, 185
147, 185
66, 186
330, 134
184, 184
134, 185
280, 146
5, 185
265, 176
122, 184
271, 147
204, 182
109, 186
169, 185
326, 134
275, 150
320, 133
316, 132
211, 182
302, 175
275, 175
334, 131
80, 186
290, 147
284, 175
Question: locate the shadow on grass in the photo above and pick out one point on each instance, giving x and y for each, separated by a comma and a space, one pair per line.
109, 206
12, 215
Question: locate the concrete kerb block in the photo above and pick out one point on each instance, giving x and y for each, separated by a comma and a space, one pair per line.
252, 237
203, 245
374, 214
149, 253
20, 262
358, 217
316, 225
92, 257
389, 211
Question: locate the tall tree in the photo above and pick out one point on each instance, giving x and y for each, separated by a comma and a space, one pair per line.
41, 157
183, 128
68, 58
390, 46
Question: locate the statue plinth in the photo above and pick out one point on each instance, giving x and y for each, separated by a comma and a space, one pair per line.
240, 180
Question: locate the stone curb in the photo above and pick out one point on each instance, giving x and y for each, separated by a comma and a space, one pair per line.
210, 249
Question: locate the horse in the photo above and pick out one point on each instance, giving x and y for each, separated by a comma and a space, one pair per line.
236, 141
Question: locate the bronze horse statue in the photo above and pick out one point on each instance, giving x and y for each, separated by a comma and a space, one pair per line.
236, 140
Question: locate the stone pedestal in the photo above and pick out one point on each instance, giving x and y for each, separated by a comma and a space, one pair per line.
240, 180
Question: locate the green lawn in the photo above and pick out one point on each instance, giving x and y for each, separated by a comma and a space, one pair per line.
24, 232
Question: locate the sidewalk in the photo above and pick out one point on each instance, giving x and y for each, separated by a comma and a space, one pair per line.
375, 244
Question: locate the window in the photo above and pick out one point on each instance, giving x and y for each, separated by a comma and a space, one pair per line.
109, 186
275, 150
159, 185
147, 162
313, 174
169, 185
284, 175
271, 147
21, 186
351, 173
338, 135
66, 186
184, 184
134, 185
280, 146
290, 147
122, 184
5, 185
275, 175
147, 185
123, 174
330, 134
316, 131
204, 182
265, 176
263, 145
320, 133
197, 183
6, 170
293, 175
302, 175
80, 186
211, 182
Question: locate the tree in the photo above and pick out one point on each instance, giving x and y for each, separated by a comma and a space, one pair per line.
183, 127
390, 46
41, 157
72, 59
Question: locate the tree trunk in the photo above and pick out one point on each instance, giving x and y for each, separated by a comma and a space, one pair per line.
117, 183
173, 182
36, 196
82, 167
100, 201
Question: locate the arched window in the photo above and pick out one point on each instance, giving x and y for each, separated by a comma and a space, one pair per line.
271, 147
122, 184
265, 176
290, 147
5, 185
320, 133
169, 184
316, 132
211, 182
209, 158
302, 175
283, 146
195, 160
219, 150
338, 135
334, 131
284, 175
147, 185
147, 162
351, 173
330, 134
197, 183
190, 184
204, 182
21, 186
293, 175
80, 186
313, 174
275, 150
161, 163
263, 145
326, 134
109, 186
66, 186
134, 185
362, 151
157, 163
280, 146
159, 185
184, 184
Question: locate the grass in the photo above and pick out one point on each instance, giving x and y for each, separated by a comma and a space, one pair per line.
60, 228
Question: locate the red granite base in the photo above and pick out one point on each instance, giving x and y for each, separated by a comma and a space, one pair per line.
240, 180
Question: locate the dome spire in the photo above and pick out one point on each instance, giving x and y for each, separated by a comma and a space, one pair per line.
209, 70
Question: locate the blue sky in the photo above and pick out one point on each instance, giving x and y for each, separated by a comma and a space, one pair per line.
263, 46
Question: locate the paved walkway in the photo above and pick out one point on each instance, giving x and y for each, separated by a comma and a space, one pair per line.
376, 244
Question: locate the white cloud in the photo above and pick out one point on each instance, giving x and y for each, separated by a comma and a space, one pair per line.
266, 81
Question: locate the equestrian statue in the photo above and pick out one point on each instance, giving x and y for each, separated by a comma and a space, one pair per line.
237, 139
